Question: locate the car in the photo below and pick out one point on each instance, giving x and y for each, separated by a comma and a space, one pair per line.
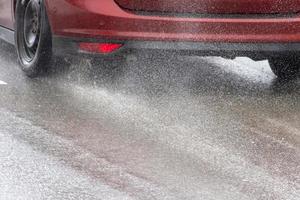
259, 29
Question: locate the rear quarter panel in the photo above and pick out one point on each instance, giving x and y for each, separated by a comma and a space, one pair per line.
6, 13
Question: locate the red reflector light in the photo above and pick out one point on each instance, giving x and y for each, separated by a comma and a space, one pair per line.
108, 48
99, 47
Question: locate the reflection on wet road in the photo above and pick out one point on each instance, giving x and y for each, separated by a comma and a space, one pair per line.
176, 128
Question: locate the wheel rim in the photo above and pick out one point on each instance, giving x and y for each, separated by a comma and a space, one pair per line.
31, 32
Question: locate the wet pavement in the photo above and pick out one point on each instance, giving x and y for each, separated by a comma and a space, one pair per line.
173, 127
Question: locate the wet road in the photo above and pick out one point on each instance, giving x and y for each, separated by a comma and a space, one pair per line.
165, 128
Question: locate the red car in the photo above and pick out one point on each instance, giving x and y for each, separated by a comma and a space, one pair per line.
259, 29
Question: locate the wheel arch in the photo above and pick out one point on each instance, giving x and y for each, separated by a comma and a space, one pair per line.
13, 9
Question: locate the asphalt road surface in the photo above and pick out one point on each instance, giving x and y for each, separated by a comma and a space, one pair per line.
172, 127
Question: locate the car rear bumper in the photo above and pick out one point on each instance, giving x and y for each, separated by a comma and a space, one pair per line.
258, 51
106, 20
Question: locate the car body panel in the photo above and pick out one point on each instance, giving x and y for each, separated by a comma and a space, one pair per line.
106, 20
6, 16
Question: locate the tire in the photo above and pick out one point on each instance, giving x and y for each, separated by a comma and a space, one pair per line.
285, 67
33, 37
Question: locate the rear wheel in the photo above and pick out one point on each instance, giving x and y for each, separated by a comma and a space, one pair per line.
285, 67
33, 36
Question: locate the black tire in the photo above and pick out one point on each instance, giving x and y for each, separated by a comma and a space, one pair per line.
33, 37
285, 67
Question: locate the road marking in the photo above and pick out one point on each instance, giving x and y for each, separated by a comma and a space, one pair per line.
2, 83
